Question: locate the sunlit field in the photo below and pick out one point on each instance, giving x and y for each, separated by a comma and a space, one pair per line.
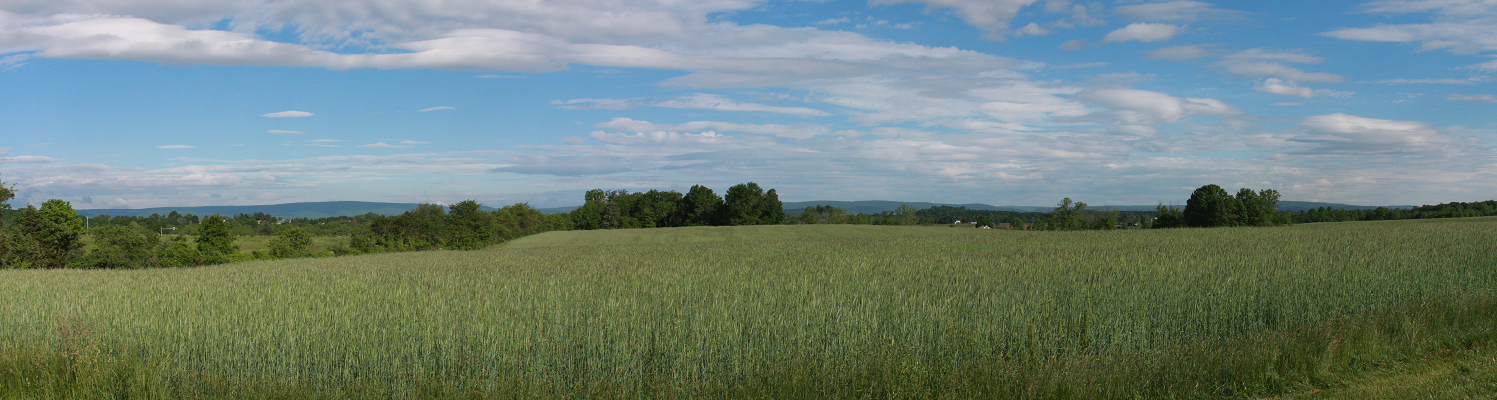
828, 311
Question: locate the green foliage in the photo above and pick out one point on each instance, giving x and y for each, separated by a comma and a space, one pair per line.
45, 238
1067, 216
215, 240
290, 242
748, 204
1210, 206
469, 226
1168, 217
907, 214
177, 253
118, 247
700, 206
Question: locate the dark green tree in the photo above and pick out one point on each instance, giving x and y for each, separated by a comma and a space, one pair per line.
119, 247
1211, 206
1067, 216
469, 226
700, 206
1168, 217
215, 240
771, 210
741, 204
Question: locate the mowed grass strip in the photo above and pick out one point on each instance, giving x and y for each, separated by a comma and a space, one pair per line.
794, 312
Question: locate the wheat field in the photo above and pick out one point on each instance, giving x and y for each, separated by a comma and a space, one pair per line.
827, 311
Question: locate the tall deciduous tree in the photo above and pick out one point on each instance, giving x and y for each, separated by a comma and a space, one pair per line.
215, 240
1211, 206
701, 206
1067, 215
741, 204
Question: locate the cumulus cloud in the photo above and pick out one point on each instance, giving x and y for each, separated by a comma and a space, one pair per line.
1143, 32
174, 146
281, 132
287, 114
991, 16
436, 108
1472, 98
1033, 29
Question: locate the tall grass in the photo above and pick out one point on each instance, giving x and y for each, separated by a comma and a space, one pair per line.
777, 312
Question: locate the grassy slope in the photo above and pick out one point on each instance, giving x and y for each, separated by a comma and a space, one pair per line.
799, 312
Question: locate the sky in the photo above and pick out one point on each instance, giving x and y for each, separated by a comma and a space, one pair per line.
151, 103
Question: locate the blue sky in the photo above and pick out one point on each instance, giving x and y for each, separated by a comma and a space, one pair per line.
145, 103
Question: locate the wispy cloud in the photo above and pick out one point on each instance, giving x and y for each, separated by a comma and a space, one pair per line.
1142, 32
174, 146
287, 114
1471, 98
281, 132
436, 108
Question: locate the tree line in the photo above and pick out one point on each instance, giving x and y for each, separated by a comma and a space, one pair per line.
53, 235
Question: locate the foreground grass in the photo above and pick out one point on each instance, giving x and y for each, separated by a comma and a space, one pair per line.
773, 312
1446, 374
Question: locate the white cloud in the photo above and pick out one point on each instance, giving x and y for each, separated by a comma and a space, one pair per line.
326, 141
1180, 53
1143, 32
1486, 66
1288, 103
578, 165
1158, 107
288, 114
1171, 11
436, 108
29, 160
1460, 26
991, 16
383, 145
1467, 81
1259, 54
1033, 29
411, 142
281, 132
834, 21
174, 146
1350, 135
1073, 44
1261, 69
1278, 86
702, 101
13, 61
714, 102
1473, 98
795, 131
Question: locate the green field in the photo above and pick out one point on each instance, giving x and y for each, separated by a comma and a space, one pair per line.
826, 311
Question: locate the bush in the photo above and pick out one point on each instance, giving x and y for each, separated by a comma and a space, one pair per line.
119, 247
178, 253
290, 242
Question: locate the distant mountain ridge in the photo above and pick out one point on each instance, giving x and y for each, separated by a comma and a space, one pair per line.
326, 209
